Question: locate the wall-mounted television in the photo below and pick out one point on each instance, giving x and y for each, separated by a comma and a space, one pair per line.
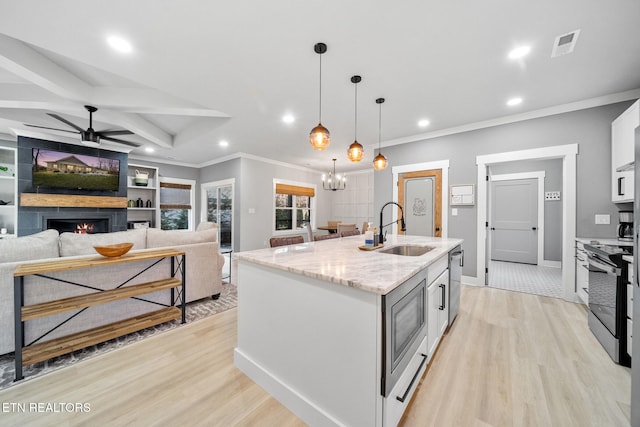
59, 169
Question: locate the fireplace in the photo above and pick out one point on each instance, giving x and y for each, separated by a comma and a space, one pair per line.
78, 225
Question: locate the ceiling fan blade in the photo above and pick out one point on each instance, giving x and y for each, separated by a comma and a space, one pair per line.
44, 127
115, 132
67, 122
119, 141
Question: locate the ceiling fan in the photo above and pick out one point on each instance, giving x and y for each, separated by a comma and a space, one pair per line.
90, 136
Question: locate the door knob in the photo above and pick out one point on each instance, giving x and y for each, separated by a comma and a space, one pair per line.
534, 228
493, 228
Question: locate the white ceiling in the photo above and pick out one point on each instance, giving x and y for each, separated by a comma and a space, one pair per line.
204, 71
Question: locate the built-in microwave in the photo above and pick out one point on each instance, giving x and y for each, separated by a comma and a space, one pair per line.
404, 327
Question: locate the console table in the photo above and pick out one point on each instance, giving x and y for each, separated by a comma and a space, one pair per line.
26, 355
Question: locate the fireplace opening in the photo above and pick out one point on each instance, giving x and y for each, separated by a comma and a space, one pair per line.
79, 225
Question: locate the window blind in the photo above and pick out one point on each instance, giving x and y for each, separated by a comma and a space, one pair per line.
175, 196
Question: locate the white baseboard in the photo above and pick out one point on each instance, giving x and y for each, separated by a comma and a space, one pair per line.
553, 264
473, 281
292, 400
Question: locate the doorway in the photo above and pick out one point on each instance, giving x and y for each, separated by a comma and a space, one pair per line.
217, 207
567, 155
420, 194
517, 214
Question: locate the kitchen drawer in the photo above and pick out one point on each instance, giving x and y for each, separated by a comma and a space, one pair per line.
629, 336
436, 269
630, 301
393, 408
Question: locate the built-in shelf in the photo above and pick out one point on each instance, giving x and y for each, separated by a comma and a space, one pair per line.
148, 192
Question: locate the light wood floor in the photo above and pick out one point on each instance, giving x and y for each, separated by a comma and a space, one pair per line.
510, 359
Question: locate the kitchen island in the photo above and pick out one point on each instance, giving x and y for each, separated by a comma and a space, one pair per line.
311, 325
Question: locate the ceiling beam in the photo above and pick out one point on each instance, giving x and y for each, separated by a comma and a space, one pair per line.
20, 59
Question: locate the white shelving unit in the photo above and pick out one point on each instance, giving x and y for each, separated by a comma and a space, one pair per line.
8, 192
147, 193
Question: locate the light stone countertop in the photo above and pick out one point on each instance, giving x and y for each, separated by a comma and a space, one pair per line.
340, 261
603, 241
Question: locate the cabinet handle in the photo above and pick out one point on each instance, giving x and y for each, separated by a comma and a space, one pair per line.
586, 290
620, 192
443, 297
462, 258
406, 392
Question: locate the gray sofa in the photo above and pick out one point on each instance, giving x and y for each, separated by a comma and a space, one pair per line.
203, 276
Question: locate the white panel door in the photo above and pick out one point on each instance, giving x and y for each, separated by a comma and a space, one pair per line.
514, 221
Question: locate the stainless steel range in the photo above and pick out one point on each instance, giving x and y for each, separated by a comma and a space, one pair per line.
608, 298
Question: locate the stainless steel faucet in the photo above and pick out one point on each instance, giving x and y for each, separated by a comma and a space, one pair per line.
403, 225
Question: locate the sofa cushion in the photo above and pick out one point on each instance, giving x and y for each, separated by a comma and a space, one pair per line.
35, 246
72, 244
157, 238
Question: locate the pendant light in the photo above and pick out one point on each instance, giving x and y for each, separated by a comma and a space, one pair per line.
356, 150
319, 138
380, 161
334, 182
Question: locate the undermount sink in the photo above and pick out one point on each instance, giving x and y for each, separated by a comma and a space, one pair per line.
407, 250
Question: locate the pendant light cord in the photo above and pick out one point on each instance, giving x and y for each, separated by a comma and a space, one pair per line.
379, 127
355, 132
320, 102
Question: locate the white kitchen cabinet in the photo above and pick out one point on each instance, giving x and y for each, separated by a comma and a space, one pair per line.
8, 192
582, 273
437, 311
623, 154
630, 288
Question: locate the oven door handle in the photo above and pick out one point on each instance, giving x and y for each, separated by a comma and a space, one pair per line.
606, 268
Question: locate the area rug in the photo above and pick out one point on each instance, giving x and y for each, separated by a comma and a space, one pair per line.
194, 311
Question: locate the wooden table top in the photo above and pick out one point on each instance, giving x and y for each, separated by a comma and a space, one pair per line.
73, 264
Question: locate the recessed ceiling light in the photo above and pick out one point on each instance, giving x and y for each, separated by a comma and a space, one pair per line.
288, 118
423, 123
119, 44
149, 149
514, 101
223, 143
519, 52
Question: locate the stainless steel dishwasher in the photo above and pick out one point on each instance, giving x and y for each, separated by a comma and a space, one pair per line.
456, 261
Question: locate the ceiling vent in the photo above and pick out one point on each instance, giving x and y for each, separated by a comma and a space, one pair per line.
565, 43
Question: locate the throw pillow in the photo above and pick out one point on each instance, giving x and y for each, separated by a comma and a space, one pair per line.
35, 246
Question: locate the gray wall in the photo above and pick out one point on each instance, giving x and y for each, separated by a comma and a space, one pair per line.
257, 193
590, 129
552, 209
254, 190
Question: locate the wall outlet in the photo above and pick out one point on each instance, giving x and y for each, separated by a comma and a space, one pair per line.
552, 195
603, 219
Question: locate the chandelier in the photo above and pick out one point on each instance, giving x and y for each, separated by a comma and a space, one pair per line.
333, 181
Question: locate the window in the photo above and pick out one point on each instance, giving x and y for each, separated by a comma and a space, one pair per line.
217, 207
176, 204
293, 206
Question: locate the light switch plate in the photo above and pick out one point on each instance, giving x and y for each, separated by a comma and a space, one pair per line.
603, 219
454, 211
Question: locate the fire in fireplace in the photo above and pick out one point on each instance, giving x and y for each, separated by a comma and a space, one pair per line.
84, 228
79, 225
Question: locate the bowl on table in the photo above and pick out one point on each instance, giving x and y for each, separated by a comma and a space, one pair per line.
113, 251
